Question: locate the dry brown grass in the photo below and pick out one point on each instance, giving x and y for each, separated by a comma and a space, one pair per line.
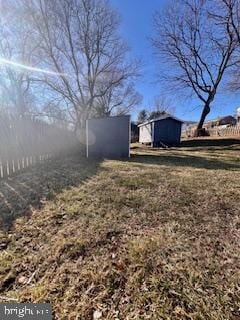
155, 237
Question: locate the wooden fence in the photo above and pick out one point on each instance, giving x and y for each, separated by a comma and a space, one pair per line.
232, 131
24, 142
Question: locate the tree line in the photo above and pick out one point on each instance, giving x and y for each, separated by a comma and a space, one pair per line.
82, 66
66, 60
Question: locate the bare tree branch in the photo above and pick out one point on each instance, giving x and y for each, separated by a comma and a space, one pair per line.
199, 49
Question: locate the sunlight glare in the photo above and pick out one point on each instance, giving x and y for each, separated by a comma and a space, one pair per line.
26, 67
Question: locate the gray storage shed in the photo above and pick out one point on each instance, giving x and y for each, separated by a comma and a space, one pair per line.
108, 137
163, 130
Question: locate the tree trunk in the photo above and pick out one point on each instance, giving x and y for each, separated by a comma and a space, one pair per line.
200, 130
80, 127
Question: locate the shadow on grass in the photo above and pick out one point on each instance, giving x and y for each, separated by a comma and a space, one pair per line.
208, 143
31, 189
184, 161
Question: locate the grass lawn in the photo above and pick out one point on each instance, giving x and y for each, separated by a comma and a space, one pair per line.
153, 237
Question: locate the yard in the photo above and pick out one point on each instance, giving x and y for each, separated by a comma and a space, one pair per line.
153, 237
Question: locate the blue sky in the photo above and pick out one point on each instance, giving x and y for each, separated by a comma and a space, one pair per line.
136, 28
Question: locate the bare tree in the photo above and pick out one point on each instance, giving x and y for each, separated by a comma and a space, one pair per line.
230, 11
142, 116
162, 103
118, 100
80, 41
195, 48
16, 44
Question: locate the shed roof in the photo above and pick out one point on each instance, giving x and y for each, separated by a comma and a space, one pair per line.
163, 117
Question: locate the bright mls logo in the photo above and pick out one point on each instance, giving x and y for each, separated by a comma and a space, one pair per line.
26, 311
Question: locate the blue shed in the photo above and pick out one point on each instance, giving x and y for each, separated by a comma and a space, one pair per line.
163, 130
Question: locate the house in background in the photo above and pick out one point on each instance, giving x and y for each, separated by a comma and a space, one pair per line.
186, 127
165, 130
218, 123
238, 116
225, 121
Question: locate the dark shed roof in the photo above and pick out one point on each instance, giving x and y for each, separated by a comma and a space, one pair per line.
163, 117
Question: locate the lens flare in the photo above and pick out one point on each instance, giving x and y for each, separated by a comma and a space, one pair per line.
30, 68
